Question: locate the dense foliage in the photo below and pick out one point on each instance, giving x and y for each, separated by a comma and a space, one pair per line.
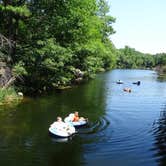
55, 43
160, 62
52, 40
130, 58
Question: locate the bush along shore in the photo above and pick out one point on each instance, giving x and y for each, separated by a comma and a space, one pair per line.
10, 96
47, 45
161, 69
55, 44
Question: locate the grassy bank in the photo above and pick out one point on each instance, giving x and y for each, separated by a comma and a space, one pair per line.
9, 96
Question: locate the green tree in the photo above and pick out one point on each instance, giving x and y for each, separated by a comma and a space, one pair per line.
12, 13
53, 39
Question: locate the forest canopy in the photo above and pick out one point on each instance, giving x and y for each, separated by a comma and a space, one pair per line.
52, 40
52, 43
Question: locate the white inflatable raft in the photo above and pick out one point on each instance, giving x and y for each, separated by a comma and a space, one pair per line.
79, 123
64, 130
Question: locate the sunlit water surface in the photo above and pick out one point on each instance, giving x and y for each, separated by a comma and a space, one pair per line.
125, 128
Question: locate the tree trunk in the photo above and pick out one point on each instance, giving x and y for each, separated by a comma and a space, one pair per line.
11, 81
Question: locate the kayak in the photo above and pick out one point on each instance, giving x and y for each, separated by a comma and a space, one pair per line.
137, 83
60, 131
119, 82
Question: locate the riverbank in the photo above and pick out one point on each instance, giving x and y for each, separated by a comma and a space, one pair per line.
9, 96
161, 69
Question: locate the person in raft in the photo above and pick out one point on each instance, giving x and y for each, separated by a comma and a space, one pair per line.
60, 125
76, 117
127, 89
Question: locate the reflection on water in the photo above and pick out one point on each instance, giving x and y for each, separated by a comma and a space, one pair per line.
24, 129
124, 129
160, 138
55, 139
161, 77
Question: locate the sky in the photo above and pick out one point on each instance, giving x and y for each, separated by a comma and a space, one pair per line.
140, 24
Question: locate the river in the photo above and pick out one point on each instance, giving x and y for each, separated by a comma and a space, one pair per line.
125, 129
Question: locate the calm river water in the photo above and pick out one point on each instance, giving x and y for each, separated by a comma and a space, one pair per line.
126, 129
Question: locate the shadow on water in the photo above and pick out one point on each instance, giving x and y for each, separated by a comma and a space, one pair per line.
24, 129
159, 131
118, 132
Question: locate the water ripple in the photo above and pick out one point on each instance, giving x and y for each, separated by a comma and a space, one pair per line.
95, 127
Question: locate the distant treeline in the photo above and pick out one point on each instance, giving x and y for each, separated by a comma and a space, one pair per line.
53, 43
130, 58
